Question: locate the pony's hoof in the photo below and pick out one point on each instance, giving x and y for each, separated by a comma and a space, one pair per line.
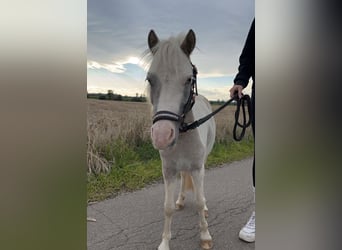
206, 213
164, 245
179, 206
206, 244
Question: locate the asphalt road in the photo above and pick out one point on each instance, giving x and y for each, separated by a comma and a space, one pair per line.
134, 221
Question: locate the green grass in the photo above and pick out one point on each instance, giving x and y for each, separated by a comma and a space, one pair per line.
229, 151
136, 166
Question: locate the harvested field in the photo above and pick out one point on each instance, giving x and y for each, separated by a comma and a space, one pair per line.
129, 123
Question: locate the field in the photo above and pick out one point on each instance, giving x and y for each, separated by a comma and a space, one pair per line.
120, 155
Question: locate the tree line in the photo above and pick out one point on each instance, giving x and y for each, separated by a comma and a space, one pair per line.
111, 96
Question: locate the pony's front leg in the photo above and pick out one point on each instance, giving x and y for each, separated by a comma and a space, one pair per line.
169, 208
181, 195
206, 239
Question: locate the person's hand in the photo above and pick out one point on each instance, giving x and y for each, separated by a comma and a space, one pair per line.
236, 88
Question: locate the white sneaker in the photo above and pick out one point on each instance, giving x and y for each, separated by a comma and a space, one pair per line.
247, 233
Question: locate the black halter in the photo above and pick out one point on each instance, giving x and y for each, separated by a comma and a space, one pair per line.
168, 115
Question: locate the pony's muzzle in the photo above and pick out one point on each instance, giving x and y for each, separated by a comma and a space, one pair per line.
163, 134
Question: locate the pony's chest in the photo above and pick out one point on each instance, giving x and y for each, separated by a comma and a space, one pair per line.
187, 154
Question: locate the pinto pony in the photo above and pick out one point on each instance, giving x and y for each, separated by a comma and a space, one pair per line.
174, 103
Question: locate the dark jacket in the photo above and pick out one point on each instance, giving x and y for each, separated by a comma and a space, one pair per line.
247, 60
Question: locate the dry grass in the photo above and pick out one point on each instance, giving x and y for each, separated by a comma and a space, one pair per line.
109, 121
224, 122
129, 122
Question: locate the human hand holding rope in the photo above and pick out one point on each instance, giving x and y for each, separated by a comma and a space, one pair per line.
236, 89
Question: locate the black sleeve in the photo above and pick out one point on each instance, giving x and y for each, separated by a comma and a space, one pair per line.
247, 59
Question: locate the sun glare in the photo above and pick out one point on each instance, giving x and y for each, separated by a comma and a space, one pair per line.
133, 60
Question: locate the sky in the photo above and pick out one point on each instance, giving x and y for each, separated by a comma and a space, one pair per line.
117, 40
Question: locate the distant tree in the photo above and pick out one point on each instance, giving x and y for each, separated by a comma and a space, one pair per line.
110, 94
118, 97
102, 97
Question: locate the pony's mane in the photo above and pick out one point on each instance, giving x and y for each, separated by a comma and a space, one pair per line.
167, 53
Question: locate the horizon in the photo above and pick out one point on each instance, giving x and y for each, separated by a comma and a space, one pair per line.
146, 96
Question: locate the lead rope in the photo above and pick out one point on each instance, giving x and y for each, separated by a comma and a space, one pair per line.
244, 101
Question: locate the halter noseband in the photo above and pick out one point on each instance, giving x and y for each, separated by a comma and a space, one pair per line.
170, 116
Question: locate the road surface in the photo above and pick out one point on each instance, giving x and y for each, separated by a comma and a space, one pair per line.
134, 221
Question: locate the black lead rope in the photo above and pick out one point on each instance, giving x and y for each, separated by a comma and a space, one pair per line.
243, 101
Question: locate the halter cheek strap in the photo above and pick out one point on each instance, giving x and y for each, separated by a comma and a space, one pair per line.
193, 91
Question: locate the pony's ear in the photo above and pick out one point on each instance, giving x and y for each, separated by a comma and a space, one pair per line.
189, 43
152, 39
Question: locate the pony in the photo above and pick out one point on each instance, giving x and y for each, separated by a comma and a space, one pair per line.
172, 79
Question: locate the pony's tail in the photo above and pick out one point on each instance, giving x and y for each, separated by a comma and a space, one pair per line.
188, 183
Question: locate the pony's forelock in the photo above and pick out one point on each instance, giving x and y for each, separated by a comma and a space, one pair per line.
174, 41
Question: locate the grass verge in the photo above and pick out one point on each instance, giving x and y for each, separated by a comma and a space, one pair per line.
138, 166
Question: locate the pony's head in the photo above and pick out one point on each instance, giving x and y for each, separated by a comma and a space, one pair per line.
170, 78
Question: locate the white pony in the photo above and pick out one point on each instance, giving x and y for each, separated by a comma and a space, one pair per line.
174, 103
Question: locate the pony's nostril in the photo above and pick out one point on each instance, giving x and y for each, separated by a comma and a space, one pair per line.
171, 134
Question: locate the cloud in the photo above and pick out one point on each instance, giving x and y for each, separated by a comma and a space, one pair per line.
119, 28
215, 94
129, 81
115, 67
117, 32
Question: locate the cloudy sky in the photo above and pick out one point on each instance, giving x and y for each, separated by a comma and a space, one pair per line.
117, 39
